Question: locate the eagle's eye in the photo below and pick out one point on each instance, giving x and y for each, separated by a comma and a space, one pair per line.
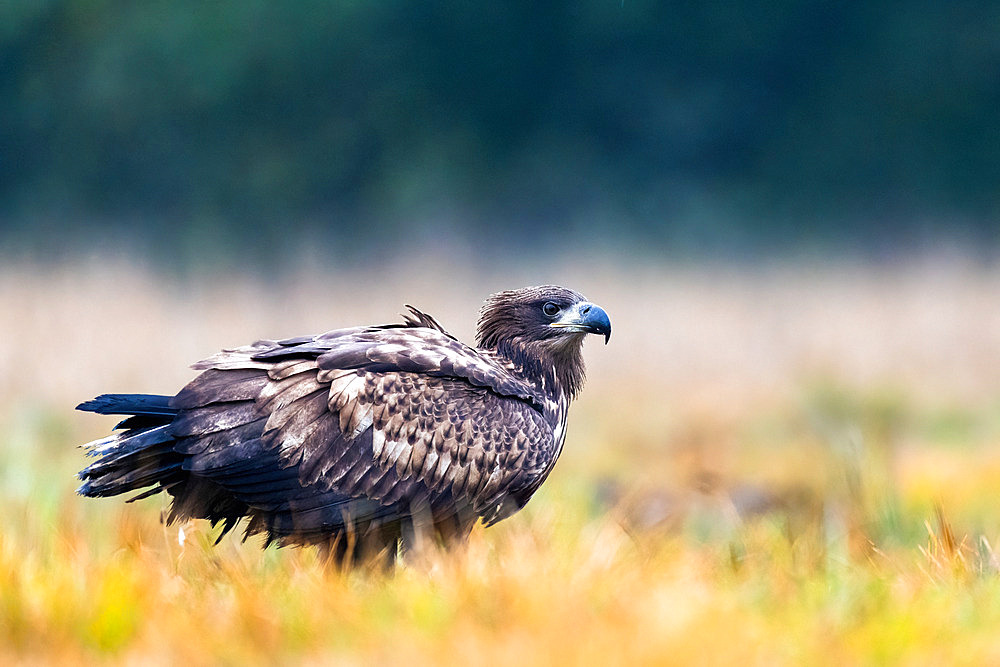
550, 309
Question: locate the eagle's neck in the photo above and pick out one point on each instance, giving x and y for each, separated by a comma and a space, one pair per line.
556, 369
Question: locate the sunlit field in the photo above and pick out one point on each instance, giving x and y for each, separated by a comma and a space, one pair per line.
796, 464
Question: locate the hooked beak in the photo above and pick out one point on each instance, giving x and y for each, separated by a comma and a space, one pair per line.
586, 318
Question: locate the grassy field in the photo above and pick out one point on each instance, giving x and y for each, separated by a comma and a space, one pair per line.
791, 465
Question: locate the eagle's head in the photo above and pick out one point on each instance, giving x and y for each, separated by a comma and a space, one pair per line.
542, 328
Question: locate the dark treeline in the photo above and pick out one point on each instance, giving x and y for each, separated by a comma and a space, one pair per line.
675, 121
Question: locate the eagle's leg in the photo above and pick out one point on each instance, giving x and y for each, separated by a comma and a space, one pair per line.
374, 545
425, 530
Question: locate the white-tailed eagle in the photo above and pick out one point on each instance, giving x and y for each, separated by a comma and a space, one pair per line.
360, 438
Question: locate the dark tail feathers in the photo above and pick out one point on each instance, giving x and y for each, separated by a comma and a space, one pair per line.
139, 455
129, 404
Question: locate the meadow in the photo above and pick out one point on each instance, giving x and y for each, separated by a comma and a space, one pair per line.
796, 463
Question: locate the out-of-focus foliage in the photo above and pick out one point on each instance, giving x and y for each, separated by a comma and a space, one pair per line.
734, 123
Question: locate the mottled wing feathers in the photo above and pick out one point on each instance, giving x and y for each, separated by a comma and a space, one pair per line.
450, 436
380, 414
458, 438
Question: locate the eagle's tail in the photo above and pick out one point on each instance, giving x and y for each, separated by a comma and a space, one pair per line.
140, 454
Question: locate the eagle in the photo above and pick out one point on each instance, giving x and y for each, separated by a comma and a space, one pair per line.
364, 440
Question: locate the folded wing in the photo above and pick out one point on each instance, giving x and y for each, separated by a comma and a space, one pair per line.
360, 424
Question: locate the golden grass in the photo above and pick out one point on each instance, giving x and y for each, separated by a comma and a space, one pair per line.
784, 466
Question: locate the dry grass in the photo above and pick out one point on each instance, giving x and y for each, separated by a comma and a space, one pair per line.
784, 466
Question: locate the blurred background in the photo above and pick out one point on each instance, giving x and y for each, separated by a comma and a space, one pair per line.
789, 210
191, 131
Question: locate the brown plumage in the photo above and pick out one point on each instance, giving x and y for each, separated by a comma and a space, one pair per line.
364, 437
